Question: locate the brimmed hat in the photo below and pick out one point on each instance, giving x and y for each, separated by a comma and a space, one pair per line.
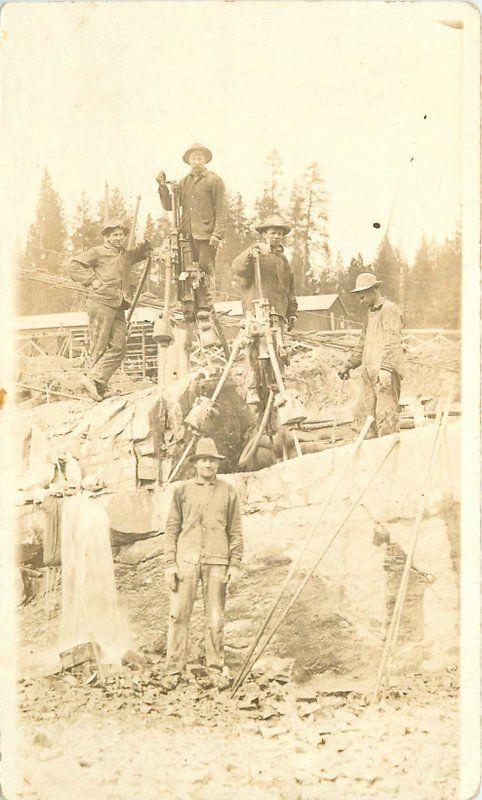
206, 448
197, 146
112, 224
365, 281
274, 221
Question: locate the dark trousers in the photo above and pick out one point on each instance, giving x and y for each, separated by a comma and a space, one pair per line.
205, 255
107, 340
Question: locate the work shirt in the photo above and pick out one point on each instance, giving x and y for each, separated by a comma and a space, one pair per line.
380, 343
112, 267
204, 205
277, 281
204, 524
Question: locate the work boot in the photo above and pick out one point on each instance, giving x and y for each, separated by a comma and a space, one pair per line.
101, 388
252, 398
90, 387
170, 682
220, 679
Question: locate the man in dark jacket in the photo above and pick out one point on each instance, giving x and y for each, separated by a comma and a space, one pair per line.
277, 286
204, 217
106, 271
202, 541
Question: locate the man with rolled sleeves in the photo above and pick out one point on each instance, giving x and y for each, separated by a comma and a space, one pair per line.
379, 353
202, 541
204, 216
106, 271
277, 286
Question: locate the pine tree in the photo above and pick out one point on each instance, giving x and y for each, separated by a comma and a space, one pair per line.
346, 283
45, 250
118, 208
297, 218
86, 231
418, 295
239, 235
388, 267
270, 201
47, 235
313, 235
448, 281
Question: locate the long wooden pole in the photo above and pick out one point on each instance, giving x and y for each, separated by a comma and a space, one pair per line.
132, 233
309, 537
394, 627
245, 668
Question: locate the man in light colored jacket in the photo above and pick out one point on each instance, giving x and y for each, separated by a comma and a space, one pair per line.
203, 542
106, 271
380, 355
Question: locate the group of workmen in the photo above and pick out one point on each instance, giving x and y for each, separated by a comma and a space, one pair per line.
203, 534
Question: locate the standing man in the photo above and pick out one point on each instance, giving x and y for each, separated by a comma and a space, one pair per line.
380, 355
204, 217
277, 284
105, 270
203, 541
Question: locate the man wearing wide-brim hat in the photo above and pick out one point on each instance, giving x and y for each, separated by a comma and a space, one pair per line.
277, 286
204, 217
379, 354
106, 270
202, 542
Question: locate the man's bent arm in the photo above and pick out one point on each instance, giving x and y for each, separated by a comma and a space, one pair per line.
165, 195
243, 267
355, 357
81, 267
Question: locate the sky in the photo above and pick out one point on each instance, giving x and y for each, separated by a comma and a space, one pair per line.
115, 92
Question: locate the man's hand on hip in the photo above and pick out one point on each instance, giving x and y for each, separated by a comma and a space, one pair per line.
232, 577
214, 241
171, 576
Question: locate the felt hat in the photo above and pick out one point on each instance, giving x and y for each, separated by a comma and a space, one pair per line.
365, 281
206, 448
112, 224
273, 221
197, 146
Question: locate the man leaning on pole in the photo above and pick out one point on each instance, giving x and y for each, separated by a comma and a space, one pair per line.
202, 542
106, 270
380, 355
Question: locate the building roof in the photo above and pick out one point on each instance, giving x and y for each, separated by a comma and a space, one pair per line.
79, 319
318, 302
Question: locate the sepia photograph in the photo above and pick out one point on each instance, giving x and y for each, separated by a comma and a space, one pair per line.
239, 384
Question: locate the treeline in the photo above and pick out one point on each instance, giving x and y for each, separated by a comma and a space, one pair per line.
428, 290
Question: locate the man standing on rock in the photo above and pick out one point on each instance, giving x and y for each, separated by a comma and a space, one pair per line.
277, 286
105, 270
203, 541
380, 355
204, 218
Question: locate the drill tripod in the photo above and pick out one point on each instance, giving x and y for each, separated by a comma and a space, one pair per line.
285, 401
